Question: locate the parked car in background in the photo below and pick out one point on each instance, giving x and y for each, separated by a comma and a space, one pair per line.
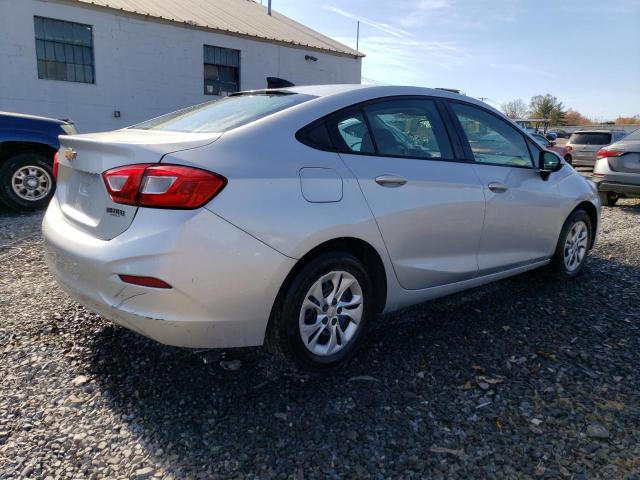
544, 142
28, 145
617, 169
559, 133
584, 144
292, 217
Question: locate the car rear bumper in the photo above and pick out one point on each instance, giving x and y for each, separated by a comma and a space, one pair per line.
608, 186
582, 161
224, 280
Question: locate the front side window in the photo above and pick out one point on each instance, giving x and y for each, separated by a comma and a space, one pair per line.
540, 139
492, 140
408, 128
226, 114
64, 50
221, 70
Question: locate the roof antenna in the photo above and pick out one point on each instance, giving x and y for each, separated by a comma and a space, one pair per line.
269, 8
275, 82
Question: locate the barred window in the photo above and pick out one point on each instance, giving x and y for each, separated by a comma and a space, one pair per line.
221, 70
64, 50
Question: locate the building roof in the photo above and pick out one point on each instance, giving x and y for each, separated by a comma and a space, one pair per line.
238, 17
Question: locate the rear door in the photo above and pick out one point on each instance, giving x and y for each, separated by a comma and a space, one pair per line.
427, 201
522, 215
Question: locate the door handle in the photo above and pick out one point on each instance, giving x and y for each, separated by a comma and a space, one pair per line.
390, 181
498, 187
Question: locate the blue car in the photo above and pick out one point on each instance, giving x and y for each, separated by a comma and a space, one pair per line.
28, 145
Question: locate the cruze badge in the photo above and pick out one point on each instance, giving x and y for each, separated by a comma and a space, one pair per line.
70, 154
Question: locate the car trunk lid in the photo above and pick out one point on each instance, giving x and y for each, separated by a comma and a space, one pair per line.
629, 162
81, 192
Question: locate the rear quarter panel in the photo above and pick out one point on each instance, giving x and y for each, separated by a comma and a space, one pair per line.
263, 197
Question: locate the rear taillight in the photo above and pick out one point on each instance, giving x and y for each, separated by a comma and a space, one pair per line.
56, 165
568, 147
123, 183
604, 153
162, 186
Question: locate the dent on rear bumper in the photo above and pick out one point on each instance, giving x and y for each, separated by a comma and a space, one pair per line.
224, 281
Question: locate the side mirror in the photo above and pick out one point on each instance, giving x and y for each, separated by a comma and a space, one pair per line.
548, 162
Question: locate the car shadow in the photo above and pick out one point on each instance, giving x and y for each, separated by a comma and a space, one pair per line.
413, 384
628, 205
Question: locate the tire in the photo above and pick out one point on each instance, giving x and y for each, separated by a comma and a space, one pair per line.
575, 240
568, 159
609, 198
319, 345
26, 181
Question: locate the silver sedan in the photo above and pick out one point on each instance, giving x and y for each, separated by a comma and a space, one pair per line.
292, 217
617, 169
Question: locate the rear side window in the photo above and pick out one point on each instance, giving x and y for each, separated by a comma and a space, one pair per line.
316, 135
352, 133
225, 114
492, 140
590, 138
619, 136
408, 128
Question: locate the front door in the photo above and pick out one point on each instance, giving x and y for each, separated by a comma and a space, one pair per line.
522, 214
429, 205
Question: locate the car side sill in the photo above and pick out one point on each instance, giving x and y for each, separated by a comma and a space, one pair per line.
403, 298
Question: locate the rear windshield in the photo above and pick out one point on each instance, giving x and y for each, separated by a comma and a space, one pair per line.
635, 135
225, 114
595, 138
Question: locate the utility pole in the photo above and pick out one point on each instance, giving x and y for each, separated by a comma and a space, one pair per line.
358, 36
269, 8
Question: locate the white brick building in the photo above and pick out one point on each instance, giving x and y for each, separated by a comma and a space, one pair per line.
107, 64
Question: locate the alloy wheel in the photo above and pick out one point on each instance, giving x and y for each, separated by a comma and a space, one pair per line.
575, 246
331, 313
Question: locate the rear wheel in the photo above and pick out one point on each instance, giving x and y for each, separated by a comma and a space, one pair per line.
568, 159
573, 245
321, 316
609, 198
26, 181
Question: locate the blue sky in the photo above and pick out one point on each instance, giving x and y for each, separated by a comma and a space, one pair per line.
585, 52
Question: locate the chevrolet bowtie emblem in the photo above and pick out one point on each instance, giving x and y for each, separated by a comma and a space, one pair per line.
70, 154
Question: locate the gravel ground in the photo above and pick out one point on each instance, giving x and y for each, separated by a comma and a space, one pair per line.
528, 377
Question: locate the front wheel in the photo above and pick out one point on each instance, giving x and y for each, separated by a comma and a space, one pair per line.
321, 316
26, 181
573, 245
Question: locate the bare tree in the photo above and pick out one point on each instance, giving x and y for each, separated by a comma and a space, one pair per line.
515, 108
